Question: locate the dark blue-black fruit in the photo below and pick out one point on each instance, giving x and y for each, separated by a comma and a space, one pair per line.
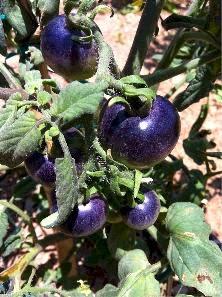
85, 219
140, 142
144, 214
72, 59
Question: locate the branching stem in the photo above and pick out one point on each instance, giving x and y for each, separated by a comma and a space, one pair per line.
161, 75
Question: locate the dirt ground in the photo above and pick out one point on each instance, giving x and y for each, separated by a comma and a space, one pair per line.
119, 31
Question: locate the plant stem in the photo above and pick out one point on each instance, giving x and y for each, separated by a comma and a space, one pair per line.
107, 63
13, 83
161, 75
143, 37
5, 93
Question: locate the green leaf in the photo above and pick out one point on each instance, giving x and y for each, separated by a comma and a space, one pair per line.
11, 244
131, 262
139, 284
198, 88
107, 291
22, 20
33, 81
43, 97
78, 99
11, 103
66, 192
196, 260
133, 80
3, 48
3, 224
145, 92
18, 138
121, 239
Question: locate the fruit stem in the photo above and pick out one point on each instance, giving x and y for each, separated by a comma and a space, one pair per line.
106, 62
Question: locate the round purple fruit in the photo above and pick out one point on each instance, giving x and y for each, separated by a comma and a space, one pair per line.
140, 142
85, 219
42, 167
144, 214
72, 59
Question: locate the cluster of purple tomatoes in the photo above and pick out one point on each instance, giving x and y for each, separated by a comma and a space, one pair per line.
137, 142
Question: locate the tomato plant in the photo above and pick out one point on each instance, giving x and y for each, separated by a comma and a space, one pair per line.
98, 153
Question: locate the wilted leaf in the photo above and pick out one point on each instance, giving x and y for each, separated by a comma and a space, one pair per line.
20, 265
177, 21
198, 88
196, 260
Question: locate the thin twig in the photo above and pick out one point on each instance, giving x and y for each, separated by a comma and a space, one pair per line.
5, 93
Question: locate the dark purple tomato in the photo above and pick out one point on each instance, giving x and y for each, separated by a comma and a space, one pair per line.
140, 142
85, 219
42, 167
143, 215
71, 59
